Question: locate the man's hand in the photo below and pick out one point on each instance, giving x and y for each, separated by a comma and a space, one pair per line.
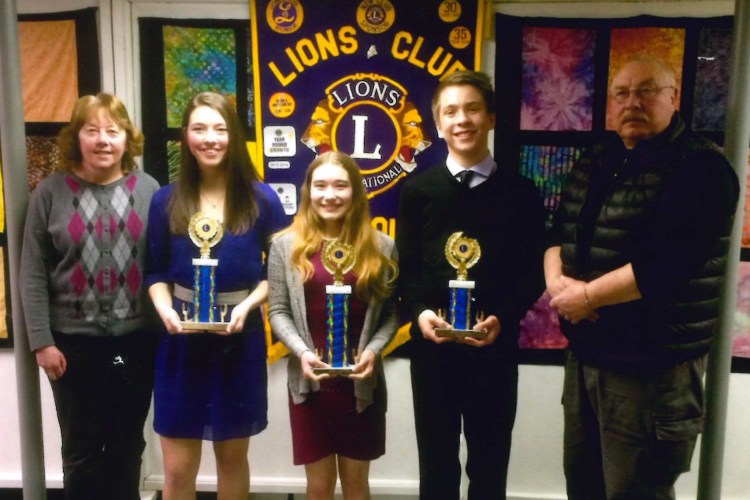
572, 303
555, 286
553, 271
52, 361
428, 321
491, 325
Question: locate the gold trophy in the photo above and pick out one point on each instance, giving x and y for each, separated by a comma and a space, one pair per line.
204, 314
338, 259
462, 253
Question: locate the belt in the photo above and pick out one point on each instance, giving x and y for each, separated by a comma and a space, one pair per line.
228, 298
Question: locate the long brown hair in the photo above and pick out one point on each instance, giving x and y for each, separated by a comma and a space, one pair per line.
241, 206
84, 109
376, 273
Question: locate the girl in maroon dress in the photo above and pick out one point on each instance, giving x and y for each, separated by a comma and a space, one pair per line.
338, 423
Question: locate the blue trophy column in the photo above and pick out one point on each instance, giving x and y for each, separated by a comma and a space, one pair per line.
459, 312
337, 342
204, 292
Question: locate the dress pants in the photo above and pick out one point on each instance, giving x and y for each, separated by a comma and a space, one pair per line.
457, 386
629, 435
102, 402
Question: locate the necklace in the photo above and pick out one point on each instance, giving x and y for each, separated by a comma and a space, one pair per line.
215, 206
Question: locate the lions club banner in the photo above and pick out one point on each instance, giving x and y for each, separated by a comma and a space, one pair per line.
357, 77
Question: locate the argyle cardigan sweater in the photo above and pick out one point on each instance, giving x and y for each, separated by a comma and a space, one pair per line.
82, 258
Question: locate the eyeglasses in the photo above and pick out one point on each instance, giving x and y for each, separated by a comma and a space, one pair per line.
642, 93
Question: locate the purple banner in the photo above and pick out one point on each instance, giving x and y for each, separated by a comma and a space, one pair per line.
356, 77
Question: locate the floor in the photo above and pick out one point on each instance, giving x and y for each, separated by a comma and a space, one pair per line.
17, 494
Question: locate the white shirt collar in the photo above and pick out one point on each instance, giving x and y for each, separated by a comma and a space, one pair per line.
485, 168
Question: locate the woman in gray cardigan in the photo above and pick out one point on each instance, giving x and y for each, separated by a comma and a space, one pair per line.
87, 316
338, 423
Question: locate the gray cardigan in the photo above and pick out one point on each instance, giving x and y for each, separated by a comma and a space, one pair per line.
288, 316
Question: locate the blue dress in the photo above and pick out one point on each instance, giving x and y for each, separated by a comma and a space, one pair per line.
210, 386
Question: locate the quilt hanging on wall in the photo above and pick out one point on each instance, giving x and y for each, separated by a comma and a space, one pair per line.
179, 59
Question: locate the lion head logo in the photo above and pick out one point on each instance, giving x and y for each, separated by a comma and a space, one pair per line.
413, 139
317, 135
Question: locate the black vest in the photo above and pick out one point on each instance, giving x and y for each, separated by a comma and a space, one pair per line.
642, 334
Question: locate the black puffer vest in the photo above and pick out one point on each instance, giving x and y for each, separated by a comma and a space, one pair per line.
643, 334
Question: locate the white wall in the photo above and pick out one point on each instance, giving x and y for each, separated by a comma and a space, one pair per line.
536, 458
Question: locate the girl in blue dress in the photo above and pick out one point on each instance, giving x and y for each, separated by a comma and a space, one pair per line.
211, 386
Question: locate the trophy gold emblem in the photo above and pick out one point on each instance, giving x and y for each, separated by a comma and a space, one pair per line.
204, 314
462, 254
338, 259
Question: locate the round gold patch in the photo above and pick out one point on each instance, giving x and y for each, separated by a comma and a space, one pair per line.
375, 16
449, 10
284, 16
281, 104
460, 37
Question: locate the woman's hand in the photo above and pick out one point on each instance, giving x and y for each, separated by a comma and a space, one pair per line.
238, 316
170, 318
239, 313
365, 365
309, 361
161, 296
52, 361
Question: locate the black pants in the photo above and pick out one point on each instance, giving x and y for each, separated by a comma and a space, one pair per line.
102, 401
629, 436
455, 387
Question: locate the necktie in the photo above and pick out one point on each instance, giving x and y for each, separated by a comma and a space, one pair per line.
464, 178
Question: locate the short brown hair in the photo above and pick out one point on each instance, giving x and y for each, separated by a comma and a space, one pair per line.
85, 108
476, 79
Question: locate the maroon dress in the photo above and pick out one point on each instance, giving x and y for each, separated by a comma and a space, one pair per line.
327, 422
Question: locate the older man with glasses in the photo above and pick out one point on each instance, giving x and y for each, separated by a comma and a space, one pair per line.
634, 266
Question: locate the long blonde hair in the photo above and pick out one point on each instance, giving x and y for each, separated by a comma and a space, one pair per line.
376, 273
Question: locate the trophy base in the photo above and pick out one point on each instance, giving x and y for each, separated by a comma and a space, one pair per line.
460, 334
197, 326
341, 371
